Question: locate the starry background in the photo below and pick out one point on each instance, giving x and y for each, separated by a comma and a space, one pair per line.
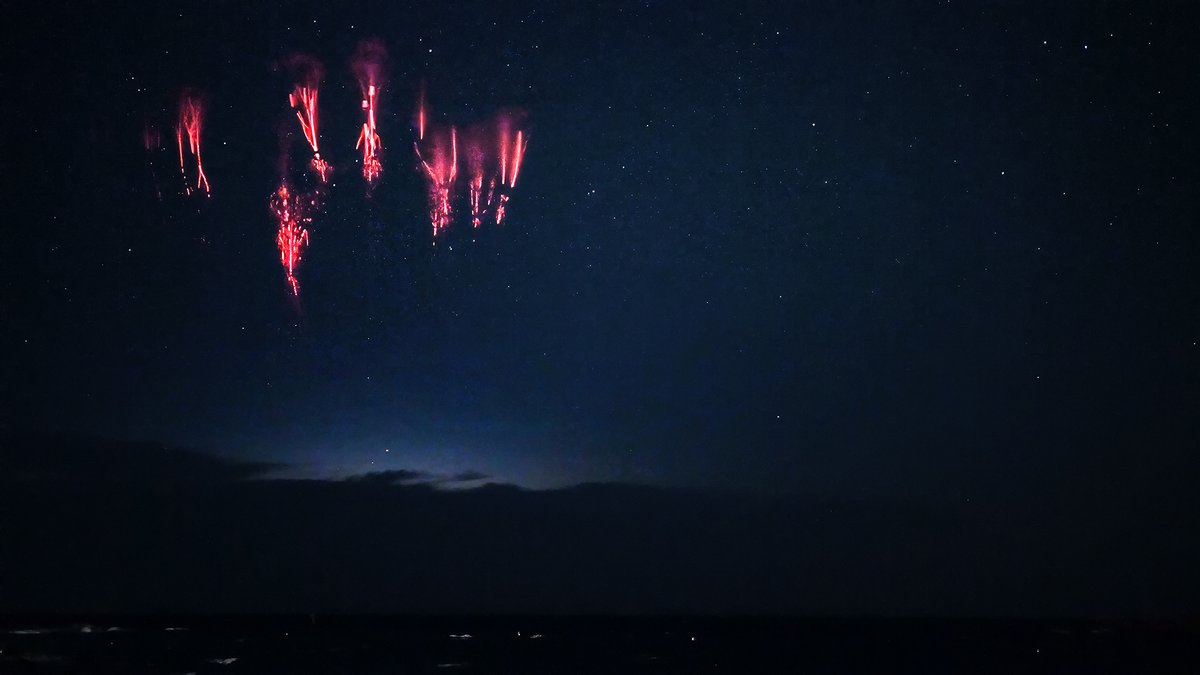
942, 252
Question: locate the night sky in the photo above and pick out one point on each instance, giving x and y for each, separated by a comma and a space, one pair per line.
877, 263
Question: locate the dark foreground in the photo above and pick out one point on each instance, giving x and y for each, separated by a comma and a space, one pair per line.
228, 645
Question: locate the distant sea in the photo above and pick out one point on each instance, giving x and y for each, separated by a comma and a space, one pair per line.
529, 645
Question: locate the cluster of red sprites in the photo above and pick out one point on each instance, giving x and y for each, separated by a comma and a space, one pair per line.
440, 162
490, 182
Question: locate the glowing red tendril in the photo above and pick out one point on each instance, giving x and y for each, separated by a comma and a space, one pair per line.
191, 122
475, 166
510, 167
421, 114
441, 170
304, 101
368, 138
293, 214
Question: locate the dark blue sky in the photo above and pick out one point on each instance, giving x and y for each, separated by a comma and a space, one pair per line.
848, 250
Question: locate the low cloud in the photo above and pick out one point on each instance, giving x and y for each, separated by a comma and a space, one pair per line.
410, 477
390, 477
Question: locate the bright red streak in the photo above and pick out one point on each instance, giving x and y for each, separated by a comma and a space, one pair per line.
518, 154
441, 172
293, 213
191, 119
476, 189
503, 154
500, 208
491, 191
368, 66
304, 101
368, 139
510, 167
421, 115
475, 160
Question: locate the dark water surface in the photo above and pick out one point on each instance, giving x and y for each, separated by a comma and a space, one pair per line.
165, 646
